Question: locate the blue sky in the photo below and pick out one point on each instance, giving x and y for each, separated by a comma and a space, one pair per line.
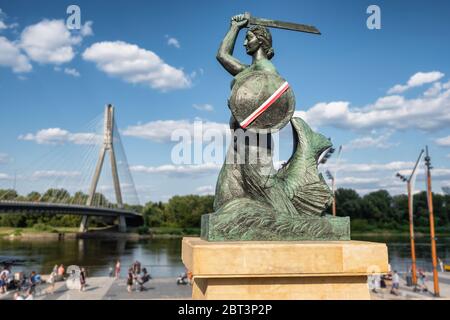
382, 94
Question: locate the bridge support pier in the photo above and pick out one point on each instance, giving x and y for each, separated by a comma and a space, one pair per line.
122, 224
84, 224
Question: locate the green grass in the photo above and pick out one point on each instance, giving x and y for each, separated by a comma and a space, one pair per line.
39, 228
175, 231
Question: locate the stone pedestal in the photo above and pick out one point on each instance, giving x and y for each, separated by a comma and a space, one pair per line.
276, 270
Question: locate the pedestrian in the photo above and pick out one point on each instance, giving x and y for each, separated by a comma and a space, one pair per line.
32, 282
61, 271
111, 272
82, 279
141, 280
441, 264
4, 275
395, 283
117, 269
51, 280
130, 279
422, 281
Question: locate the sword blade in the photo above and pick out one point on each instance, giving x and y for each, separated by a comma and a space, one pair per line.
283, 25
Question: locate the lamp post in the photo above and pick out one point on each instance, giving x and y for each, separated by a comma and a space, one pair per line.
323, 160
411, 220
432, 234
330, 176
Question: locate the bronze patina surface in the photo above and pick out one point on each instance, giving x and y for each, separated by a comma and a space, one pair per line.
253, 201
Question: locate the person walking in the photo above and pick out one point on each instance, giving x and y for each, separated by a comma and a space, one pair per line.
130, 279
395, 283
82, 279
51, 280
441, 264
111, 272
117, 269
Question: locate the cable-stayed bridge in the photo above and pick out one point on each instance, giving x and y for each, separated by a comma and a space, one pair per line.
57, 200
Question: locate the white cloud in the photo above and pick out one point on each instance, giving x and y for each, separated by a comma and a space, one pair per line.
61, 136
49, 41
358, 181
162, 130
436, 173
380, 142
3, 24
205, 190
72, 72
427, 112
4, 176
43, 174
369, 167
434, 90
180, 170
136, 65
173, 42
204, 107
10, 56
417, 80
445, 141
86, 29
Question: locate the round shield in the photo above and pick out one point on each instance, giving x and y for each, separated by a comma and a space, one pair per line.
262, 101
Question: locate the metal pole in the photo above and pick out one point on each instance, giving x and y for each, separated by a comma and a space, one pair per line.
432, 234
411, 234
411, 221
334, 198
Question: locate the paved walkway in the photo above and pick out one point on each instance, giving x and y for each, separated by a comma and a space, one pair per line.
407, 293
105, 288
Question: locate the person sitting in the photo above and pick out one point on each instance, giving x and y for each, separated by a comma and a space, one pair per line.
422, 281
143, 278
61, 272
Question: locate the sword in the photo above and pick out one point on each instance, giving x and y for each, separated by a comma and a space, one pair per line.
280, 24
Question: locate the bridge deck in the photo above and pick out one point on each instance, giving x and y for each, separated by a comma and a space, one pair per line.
60, 208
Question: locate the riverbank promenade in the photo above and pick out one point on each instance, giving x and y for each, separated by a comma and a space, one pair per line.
106, 288
407, 293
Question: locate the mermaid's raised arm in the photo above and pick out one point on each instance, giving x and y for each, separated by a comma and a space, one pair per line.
225, 53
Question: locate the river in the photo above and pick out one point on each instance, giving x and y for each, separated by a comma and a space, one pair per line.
163, 256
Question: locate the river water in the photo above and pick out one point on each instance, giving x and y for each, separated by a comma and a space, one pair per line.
163, 256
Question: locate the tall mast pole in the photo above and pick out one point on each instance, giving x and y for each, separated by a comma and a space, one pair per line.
411, 221
411, 235
411, 217
334, 196
432, 234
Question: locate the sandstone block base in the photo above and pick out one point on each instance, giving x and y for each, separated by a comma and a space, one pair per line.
281, 270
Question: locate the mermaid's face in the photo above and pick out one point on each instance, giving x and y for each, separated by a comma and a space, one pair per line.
251, 43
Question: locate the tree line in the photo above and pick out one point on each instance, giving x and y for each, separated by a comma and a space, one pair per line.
380, 211
374, 211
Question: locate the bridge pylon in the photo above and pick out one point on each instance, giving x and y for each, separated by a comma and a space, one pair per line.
108, 146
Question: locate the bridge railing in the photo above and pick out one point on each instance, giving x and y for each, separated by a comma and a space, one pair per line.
37, 204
